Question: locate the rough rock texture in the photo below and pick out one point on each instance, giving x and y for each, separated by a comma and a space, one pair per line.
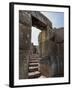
24, 43
52, 53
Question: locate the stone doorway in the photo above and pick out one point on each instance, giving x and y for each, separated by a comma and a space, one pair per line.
27, 19
34, 60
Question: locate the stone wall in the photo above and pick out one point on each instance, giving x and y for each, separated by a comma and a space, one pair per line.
46, 40
52, 53
25, 24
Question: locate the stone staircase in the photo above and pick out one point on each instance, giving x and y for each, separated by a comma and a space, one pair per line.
34, 67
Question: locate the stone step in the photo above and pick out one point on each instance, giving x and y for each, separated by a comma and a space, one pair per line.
32, 69
33, 64
36, 55
35, 58
35, 74
33, 61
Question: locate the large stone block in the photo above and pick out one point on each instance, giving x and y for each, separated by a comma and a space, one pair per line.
48, 48
23, 64
41, 18
51, 66
25, 18
59, 35
24, 36
45, 70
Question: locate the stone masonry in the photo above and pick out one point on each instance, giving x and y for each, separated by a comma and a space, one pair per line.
52, 53
24, 43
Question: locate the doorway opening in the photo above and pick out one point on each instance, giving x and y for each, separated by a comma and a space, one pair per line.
34, 35
34, 39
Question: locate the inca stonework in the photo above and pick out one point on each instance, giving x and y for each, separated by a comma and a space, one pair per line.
49, 55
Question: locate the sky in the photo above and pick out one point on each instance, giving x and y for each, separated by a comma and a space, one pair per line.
57, 19
34, 35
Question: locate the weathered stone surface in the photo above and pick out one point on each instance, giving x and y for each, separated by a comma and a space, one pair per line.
52, 66
41, 18
47, 48
24, 43
45, 70
52, 53
25, 18
23, 65
59, 35
24, 36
